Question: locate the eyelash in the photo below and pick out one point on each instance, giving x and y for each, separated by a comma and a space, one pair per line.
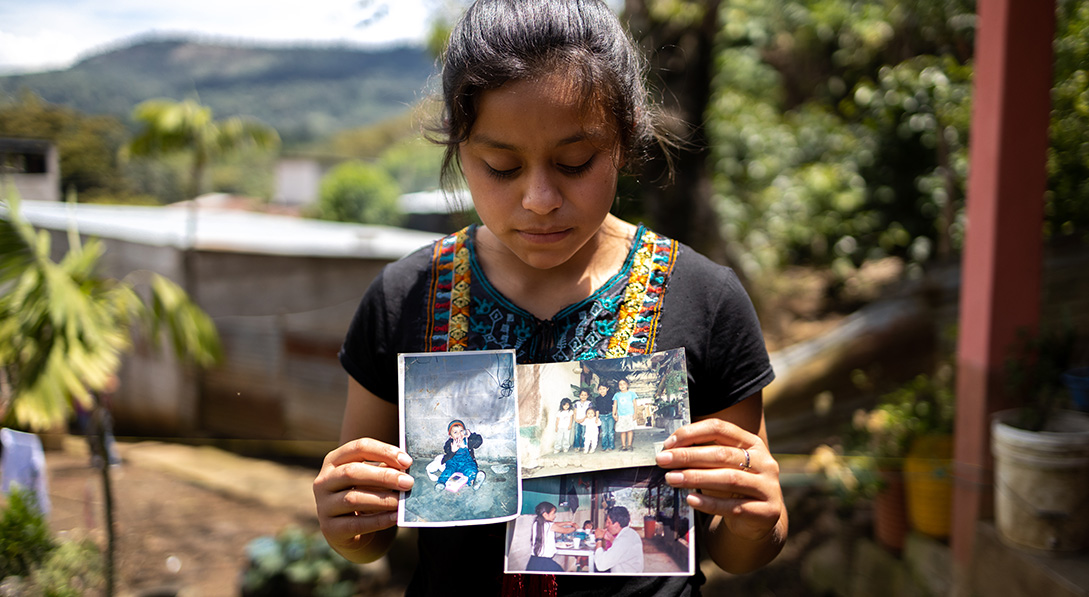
573, 171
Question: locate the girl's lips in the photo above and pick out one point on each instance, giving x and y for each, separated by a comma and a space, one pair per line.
544, 236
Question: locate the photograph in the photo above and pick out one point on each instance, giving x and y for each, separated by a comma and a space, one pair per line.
622, 522
457, 422
599, 414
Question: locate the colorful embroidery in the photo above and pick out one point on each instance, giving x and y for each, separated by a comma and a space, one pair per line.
620, 319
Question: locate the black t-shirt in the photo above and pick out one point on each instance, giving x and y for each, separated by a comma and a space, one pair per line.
665, 296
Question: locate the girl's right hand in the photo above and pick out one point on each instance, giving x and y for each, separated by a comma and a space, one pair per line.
356, 494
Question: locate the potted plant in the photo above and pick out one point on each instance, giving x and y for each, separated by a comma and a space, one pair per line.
890, 455
1041, 450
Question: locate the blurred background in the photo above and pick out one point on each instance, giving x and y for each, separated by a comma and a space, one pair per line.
237, 173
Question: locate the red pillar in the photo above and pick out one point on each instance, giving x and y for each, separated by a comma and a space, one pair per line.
1000, 279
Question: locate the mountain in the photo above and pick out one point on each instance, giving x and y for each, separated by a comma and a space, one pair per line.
305, 92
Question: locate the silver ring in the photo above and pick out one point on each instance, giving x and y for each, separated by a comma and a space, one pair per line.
748, 461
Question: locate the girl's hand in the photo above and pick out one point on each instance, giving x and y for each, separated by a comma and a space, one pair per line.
356, 493
732, 471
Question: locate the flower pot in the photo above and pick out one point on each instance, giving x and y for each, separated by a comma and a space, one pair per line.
1077, 381
1042, 482
890, 521
928, 485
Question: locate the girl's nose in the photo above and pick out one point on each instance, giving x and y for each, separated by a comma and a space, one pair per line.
541, 195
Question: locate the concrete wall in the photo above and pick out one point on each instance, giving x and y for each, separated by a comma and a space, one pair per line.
281, 320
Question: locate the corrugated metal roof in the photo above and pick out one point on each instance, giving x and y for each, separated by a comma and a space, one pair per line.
215, 229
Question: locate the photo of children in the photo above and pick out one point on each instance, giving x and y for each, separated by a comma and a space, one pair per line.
622, 411
632, 523
457, 411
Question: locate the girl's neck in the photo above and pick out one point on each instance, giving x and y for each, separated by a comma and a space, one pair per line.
544, 292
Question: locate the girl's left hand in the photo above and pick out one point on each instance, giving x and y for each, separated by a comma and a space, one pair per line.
732, 471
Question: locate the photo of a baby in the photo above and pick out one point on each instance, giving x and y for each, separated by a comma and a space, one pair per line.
457, 423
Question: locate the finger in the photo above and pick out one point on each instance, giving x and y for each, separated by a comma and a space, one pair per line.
752, 460
350, 526
711, 431
369, 450
719, 482
738, 507
358, 501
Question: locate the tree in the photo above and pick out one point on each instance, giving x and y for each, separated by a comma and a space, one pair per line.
679, 36
356, 191
87, 145
63, 329
172, 127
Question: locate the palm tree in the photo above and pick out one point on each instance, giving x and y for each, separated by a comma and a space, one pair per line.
63, 329
187, 126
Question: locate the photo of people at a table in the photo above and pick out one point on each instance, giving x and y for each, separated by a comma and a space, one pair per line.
626, 521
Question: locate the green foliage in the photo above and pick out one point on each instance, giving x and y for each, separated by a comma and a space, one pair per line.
169, 127
63, 327
87, 145
24, 535
33, 563
881, 437
1034, 371
356, 191
295, 562
840, 130
1068, 154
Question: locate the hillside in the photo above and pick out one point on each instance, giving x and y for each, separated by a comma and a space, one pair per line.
306, 92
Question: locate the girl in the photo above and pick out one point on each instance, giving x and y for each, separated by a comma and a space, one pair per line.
543, 538
624, 403
563, 426
544, 103
581, 405
590, 424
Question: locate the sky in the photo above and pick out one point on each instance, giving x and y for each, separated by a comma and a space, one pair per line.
37, 35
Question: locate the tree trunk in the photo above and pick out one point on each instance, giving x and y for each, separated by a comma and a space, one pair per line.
682, 58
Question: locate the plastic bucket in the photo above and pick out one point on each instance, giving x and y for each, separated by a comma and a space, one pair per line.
928, 485
1042, 482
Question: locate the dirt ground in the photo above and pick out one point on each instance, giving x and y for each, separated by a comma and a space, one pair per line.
180, 536
174, 537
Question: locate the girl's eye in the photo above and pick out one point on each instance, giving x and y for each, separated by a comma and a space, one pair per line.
576, 170
501, 174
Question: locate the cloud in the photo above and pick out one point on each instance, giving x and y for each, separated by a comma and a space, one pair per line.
55, 33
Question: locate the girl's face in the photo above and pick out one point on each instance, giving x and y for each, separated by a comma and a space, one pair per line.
590, 413
550, 516
584, 396
565, 406
542, 172
623, 386
457, 432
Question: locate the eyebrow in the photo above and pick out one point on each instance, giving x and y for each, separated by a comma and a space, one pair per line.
477, 138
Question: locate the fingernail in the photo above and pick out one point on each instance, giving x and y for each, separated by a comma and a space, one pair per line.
664, 458
695, 500
404, 460
670, 441
674, 478
405, 482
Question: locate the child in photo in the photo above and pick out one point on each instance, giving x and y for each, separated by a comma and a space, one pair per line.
581, 405
543, 538
590, 424
625, 415
564, 422
459, 456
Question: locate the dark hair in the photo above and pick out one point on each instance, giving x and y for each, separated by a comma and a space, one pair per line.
539, 525
497, 41
564, 401
619, 515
